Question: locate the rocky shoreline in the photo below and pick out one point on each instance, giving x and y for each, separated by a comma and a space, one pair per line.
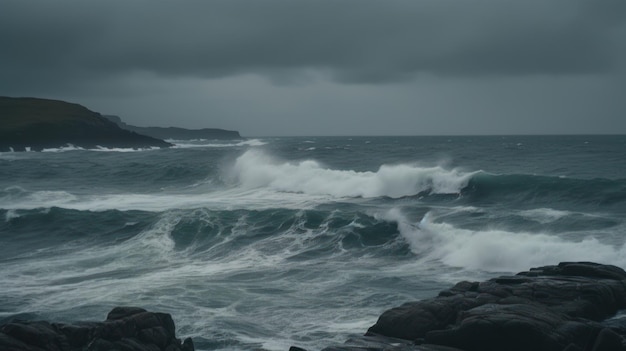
572, 306
567, 307
125, 329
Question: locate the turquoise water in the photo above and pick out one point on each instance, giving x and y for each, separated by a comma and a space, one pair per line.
273, 242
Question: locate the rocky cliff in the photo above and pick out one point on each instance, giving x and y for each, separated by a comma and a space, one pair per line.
36, 124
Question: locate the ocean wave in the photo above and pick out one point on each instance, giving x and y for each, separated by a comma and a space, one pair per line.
494, 250
15, 197
229, 199
533, 188
256, 179
257, 169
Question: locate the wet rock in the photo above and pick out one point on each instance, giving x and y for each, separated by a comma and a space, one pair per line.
125, 329
551, 308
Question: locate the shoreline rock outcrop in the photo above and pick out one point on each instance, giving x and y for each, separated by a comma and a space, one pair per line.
125, 329
567, 307
37, 124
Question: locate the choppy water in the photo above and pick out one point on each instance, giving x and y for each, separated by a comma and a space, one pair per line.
268, 243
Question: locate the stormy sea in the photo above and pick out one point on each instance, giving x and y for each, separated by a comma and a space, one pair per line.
271, 242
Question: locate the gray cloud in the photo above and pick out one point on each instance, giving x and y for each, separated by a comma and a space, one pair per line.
66, 44
284, 67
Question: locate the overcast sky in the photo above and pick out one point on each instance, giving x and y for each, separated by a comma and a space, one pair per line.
327, 67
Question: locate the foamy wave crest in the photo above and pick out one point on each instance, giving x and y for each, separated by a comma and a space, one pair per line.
256, 169
221, 200
498, 250
185, 144
15, 198
10, 215
71, 147
545, 215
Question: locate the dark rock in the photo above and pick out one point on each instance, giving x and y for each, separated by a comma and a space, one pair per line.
125, 329
123, 312
551, 308
188, 345
609, 340
10, 343
514, 327
36, 124
39, 334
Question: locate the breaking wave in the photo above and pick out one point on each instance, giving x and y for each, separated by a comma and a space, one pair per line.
495, 250
257, 169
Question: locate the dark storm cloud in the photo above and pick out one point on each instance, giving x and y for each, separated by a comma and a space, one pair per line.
70, 43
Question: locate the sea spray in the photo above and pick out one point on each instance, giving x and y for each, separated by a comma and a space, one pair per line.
255, 169
496, 250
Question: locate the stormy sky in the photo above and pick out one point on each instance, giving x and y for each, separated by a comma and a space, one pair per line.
327, 67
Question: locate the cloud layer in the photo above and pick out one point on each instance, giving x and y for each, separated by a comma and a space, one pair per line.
353, 41
104, 52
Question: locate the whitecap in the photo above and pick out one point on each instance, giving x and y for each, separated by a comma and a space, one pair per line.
544, 215
186, 144
493, 250
257, 169
10, 215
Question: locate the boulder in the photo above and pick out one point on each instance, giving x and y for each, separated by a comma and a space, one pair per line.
551, 308
126, 328
572, 306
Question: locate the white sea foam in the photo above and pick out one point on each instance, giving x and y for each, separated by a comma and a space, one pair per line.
259, 181
184, 144
104, 149
71, 147
256, 169
49, 198
229, 199
11, 214
498, 250
68, 147
544, 215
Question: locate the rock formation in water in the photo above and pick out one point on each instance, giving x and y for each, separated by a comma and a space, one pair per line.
568, 307
36, 124
177, 133
125, 329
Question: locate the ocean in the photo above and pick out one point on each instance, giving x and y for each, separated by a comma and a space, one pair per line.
271, 242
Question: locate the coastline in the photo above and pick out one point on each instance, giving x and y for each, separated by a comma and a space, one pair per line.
552, 308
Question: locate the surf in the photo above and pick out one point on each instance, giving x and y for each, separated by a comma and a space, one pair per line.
487, 249
257, 169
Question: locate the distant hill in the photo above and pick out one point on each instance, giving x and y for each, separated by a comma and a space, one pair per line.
177, 133
41, 123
